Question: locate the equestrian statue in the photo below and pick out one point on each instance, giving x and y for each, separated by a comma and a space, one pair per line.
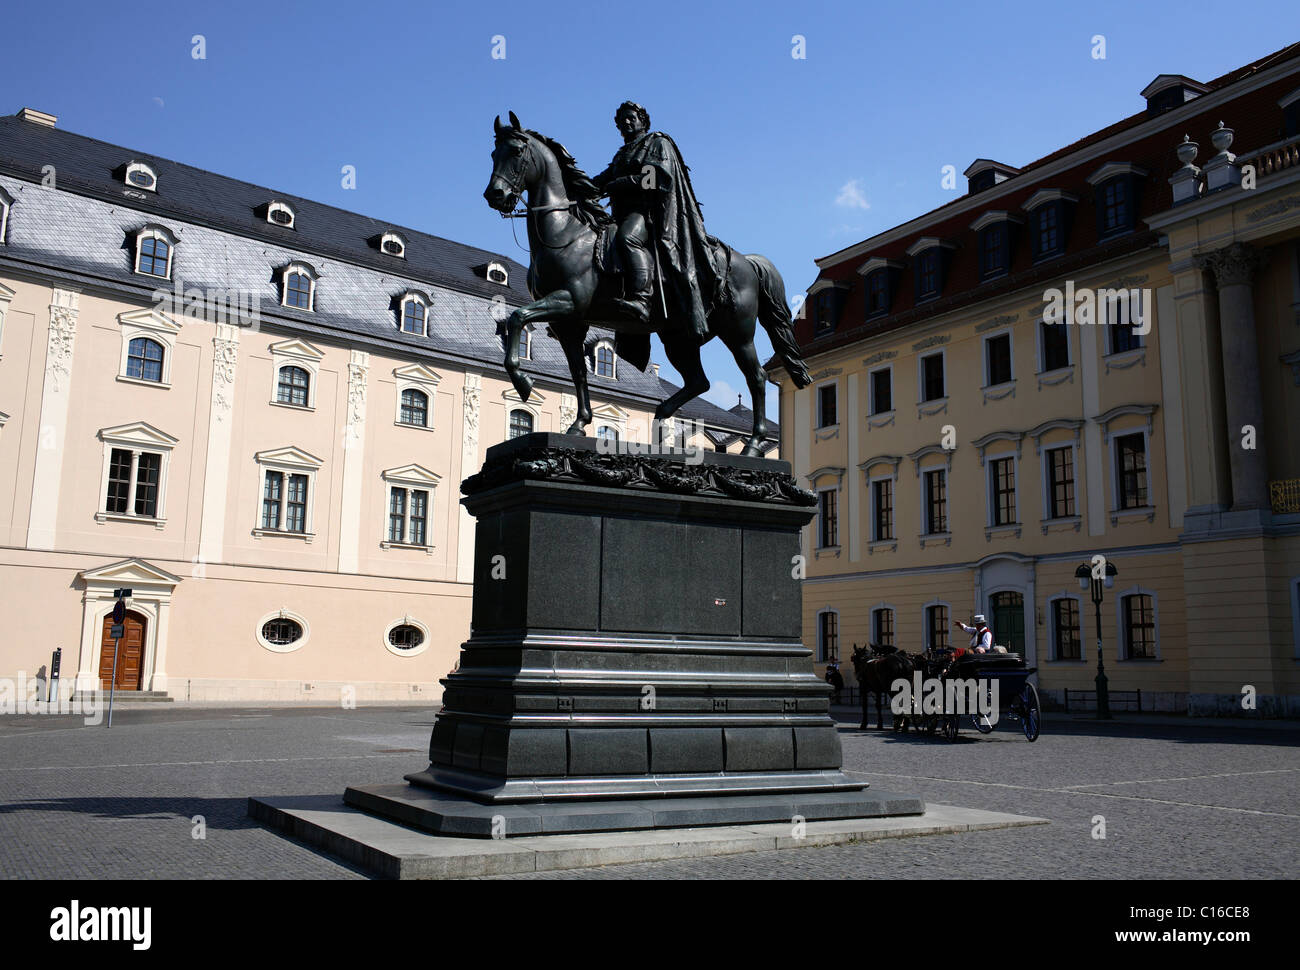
647, 267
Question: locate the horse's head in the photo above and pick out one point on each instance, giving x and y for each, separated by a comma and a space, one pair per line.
514, 168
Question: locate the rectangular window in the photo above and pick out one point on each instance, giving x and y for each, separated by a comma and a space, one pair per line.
932, 387
993, 251
1065, 627
997, 351
1060, 483
1048, 228
936, 502
146, 484
296, 507
882, 391
882, 627
119, 481
272, 496
419, 516
1056, 346
878, 293
1131, 454
936, 628
828, 519
1139, 627
822, 306
927, 274
882, 502
1002, 474
828, 636
397, 515
826, 416
1114, 206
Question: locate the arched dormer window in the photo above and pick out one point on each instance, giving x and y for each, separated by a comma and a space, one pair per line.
138, 175
525, 345
605, 361
393, 244
1049, 222
497, 273
154, 247
414, 316
144, 360
1116, 187
299, 287
6, 203
280, 214
995, 233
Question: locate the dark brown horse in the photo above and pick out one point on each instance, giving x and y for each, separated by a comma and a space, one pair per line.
876, 670
570, 293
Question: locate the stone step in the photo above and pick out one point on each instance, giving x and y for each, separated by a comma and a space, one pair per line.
125, 696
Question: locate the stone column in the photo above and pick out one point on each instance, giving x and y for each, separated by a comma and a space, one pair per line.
1234, 270
354, 444
47, 476
216, 473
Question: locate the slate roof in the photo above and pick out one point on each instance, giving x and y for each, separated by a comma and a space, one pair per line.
84, 231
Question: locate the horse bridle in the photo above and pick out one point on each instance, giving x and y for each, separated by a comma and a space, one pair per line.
517, 189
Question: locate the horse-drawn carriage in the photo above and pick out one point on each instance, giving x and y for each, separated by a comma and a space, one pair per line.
966, 682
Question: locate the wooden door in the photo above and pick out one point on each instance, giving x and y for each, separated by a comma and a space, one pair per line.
1009, 621
130, 665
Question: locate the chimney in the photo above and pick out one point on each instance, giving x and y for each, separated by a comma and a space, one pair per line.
40, 117
654, 368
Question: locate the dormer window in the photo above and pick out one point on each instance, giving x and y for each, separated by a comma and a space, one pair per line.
1290, 105
280, 214
414, 314
881, 277
1049, 211
524, 346
393, 244
1116, 187
929, 264
141, 176
496, 273
827, 301
994, 236
984, 173
6, 202
1169, 91
299, 287
154, 247
605, 362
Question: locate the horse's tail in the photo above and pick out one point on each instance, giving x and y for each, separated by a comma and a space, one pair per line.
775, 317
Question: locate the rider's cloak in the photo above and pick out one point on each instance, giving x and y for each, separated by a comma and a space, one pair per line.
691, 278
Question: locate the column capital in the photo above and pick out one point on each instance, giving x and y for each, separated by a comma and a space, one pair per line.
1232, 265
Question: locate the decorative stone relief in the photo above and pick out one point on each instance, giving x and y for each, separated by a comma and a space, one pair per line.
473, 384
225, 357
358, 368
62, 336
568, 410
1233, 265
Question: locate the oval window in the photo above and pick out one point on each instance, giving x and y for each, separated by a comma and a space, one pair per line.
281, 631
406, 636
497, 276
280, 216
393, 247
142, 179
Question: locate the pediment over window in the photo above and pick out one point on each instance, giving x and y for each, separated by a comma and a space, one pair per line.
128, 573
1124, 410
418, 373
925, 451
1111, 169
1043, 196
995, 216
984, 441
1055, 424
139, 434
892, 460
7, 295
292, 456
412, 474
149, 319
295, 347
3, 419
510, 394
826, 472
609, 411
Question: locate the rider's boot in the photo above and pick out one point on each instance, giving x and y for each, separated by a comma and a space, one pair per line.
637, 285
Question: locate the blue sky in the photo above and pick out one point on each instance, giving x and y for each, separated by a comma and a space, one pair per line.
793, 158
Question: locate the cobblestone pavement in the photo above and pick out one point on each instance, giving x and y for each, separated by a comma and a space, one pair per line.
1180, 802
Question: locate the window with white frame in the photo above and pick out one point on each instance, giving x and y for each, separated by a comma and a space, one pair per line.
606, 433
141, 176
299, 287
605, 360
931, 377
496, 273
935, 618
295, 366
280, 214
148, 342
524, 347
1054, 341
882, 390
136, 458
934, 502
827, 405
882, 626
1002, 491
414, 408
1058, 466
1137, 616
997, 359
6, 203
828, 635
410, 491
286, 487
828, 522
154, 248
283, 631
882, 509
1066, 628
407, 637
6, 297
415, 314
1131, 471
393, 244
521, 422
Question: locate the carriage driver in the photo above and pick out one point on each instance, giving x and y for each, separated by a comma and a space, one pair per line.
981, 640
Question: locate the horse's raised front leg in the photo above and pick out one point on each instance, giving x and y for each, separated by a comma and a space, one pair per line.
572, 339
555, 306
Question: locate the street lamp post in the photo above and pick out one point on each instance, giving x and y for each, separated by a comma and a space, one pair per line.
1100, 575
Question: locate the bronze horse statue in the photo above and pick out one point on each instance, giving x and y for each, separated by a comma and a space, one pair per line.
566, 224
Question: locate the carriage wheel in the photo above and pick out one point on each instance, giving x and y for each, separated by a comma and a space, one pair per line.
1031, 715
981, 721
950, 727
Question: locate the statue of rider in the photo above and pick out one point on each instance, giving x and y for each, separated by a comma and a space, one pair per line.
652, 200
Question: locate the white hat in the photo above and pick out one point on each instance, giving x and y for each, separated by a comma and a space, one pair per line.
979, 619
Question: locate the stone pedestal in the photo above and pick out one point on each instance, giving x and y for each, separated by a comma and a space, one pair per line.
635, 636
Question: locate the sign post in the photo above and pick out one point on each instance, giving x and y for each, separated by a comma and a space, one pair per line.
54, 676
116, 631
